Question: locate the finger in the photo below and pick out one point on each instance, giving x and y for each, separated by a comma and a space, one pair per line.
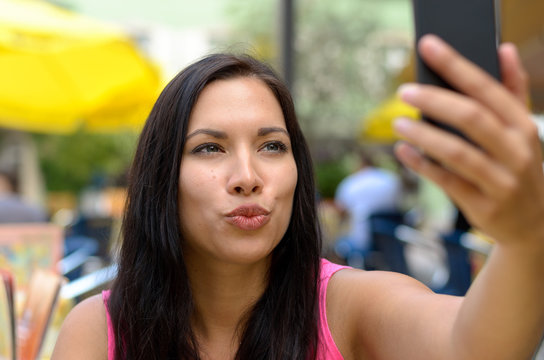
463, 113
471, 80
458, 189
455, 154
514, 77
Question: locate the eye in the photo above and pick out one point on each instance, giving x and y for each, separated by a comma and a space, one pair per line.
207, 148
275, 147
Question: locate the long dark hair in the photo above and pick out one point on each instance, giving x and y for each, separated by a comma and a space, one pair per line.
150, 301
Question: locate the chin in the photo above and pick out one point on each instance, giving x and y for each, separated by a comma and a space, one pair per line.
248, 253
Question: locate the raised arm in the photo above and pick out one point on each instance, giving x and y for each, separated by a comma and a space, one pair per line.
498, 185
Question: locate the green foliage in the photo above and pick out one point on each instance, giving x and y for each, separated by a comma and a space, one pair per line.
258, 38
341, 63
328, 175
343, 51
69, 162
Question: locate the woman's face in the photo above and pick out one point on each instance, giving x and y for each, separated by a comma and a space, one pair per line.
238, 174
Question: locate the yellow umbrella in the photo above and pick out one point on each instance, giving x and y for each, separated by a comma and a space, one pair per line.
60, 72
377, 125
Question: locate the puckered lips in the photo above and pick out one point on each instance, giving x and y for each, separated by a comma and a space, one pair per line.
248, 217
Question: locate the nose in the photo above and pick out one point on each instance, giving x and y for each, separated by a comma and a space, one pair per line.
244, 178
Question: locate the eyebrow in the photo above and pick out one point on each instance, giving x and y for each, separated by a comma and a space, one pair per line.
214, 133
267, 130
222, 135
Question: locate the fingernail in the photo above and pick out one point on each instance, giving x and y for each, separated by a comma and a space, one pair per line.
408, 92
432, 43
403, 125
511, 48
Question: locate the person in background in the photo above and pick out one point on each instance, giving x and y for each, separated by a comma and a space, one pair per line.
221, 254
12, 207
367, 191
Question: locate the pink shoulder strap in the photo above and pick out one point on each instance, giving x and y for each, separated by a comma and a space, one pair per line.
327, 349
111, 335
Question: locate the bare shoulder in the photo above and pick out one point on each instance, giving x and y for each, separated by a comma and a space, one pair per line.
84, 332
372, 284
371, 293
366, 310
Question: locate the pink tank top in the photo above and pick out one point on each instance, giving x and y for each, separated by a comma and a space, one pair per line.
327, 349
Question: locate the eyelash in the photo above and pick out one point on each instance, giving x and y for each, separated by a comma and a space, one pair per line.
200, 148
282, 148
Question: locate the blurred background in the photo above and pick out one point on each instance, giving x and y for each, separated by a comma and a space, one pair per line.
78, 78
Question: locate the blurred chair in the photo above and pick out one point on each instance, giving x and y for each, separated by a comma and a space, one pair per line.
460, 269
90, 283
97, 228
77, 251
88, 261
387, 252
457, 246
390, 236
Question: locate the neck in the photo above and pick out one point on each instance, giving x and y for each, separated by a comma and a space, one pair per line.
223, 293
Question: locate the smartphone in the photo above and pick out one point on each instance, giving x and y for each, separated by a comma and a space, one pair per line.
472, 27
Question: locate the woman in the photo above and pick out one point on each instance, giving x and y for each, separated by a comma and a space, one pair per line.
220, 258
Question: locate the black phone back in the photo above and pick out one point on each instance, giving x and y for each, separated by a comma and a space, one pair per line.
470, 26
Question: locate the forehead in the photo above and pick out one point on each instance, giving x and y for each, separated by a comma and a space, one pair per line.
241, 101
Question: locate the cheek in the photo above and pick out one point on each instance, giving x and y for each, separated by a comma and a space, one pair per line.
287, 182
196, 193
195, 186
